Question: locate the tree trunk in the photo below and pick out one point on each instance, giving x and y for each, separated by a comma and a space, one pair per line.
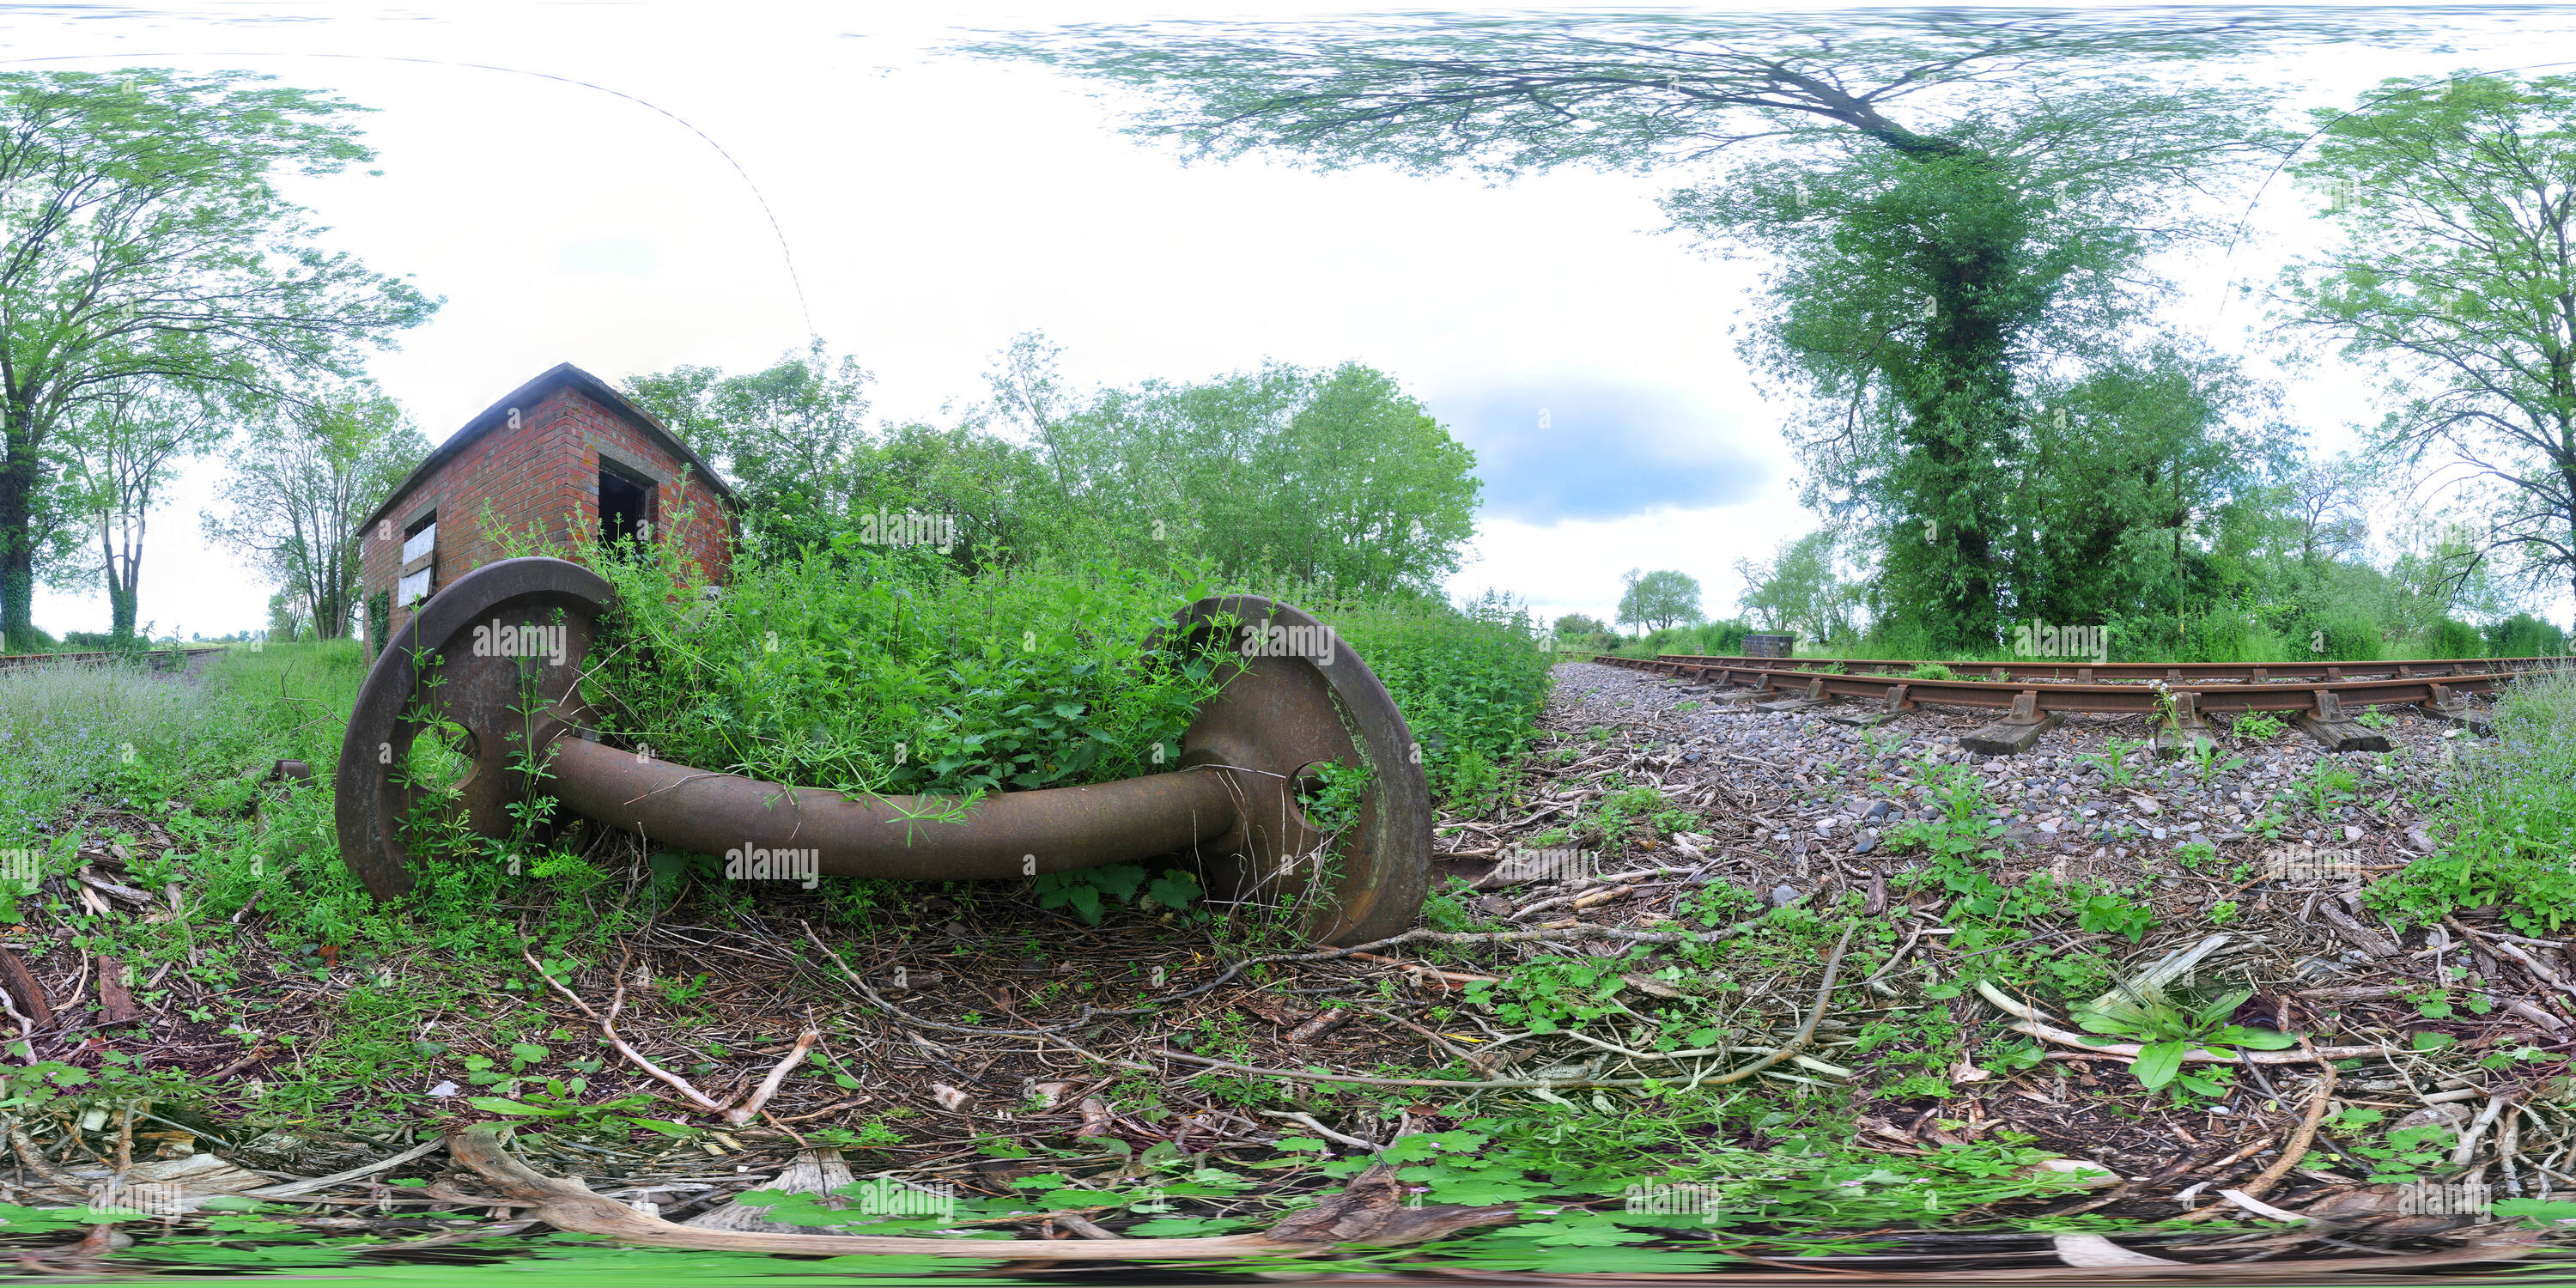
20, 474
120, 608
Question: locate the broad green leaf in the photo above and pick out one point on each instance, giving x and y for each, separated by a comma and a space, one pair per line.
2158, 1062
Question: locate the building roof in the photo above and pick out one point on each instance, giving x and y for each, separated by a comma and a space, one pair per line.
528, 395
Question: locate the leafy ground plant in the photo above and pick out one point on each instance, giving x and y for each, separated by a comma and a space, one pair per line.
874, 669
2258, 725
2113, 760
2166, 1031
2507, 820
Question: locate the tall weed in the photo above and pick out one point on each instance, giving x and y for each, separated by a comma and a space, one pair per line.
1470, 680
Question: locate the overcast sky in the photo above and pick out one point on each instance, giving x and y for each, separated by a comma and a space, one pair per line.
936, 206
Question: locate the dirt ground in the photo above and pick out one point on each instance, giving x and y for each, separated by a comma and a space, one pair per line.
961, 1016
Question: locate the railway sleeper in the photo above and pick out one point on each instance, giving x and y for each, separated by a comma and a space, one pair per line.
2017, 732
2329, 725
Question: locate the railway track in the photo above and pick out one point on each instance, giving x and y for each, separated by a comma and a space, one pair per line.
15, 661
2079, 672
2321, 697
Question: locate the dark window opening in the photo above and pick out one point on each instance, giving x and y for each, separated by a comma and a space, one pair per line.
625, 508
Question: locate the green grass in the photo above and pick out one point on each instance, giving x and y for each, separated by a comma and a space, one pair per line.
2506, 821
74, 729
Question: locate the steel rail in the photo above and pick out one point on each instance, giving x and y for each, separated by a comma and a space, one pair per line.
10, 661
1902, 691
2081, 672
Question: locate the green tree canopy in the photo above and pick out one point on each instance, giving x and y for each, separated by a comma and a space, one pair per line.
123, 451
1579, 628
308, 477
1330, 476
1334, 476
2456, 278
1803, 589
142, 237
1658, 599
787, 438
2136, 469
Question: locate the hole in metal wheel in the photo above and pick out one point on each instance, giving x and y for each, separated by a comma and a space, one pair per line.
441, 758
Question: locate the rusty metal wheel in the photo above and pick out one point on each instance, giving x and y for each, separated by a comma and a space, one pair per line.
462, 672
490, 670
1302, 700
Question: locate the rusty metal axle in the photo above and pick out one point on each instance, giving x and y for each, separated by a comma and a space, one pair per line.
1233, 804
910, 838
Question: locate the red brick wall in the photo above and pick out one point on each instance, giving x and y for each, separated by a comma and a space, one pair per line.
544, 473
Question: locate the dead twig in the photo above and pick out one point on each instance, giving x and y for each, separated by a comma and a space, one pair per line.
1806, 1032
737, 1114
2291, 1153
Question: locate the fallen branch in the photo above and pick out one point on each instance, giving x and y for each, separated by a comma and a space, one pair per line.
2538, 969
1807, 1031
1450, 980
288, 1189
1581, 899
1443, 1043
1803, 1062
2291, 1153
2468, 1146
1308, 1121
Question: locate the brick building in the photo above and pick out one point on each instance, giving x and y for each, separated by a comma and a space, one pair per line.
561, 451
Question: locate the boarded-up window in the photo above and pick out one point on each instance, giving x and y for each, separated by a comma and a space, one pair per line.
419, 562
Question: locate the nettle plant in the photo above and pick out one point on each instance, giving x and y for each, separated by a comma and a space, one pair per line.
884, 669
1085, 891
